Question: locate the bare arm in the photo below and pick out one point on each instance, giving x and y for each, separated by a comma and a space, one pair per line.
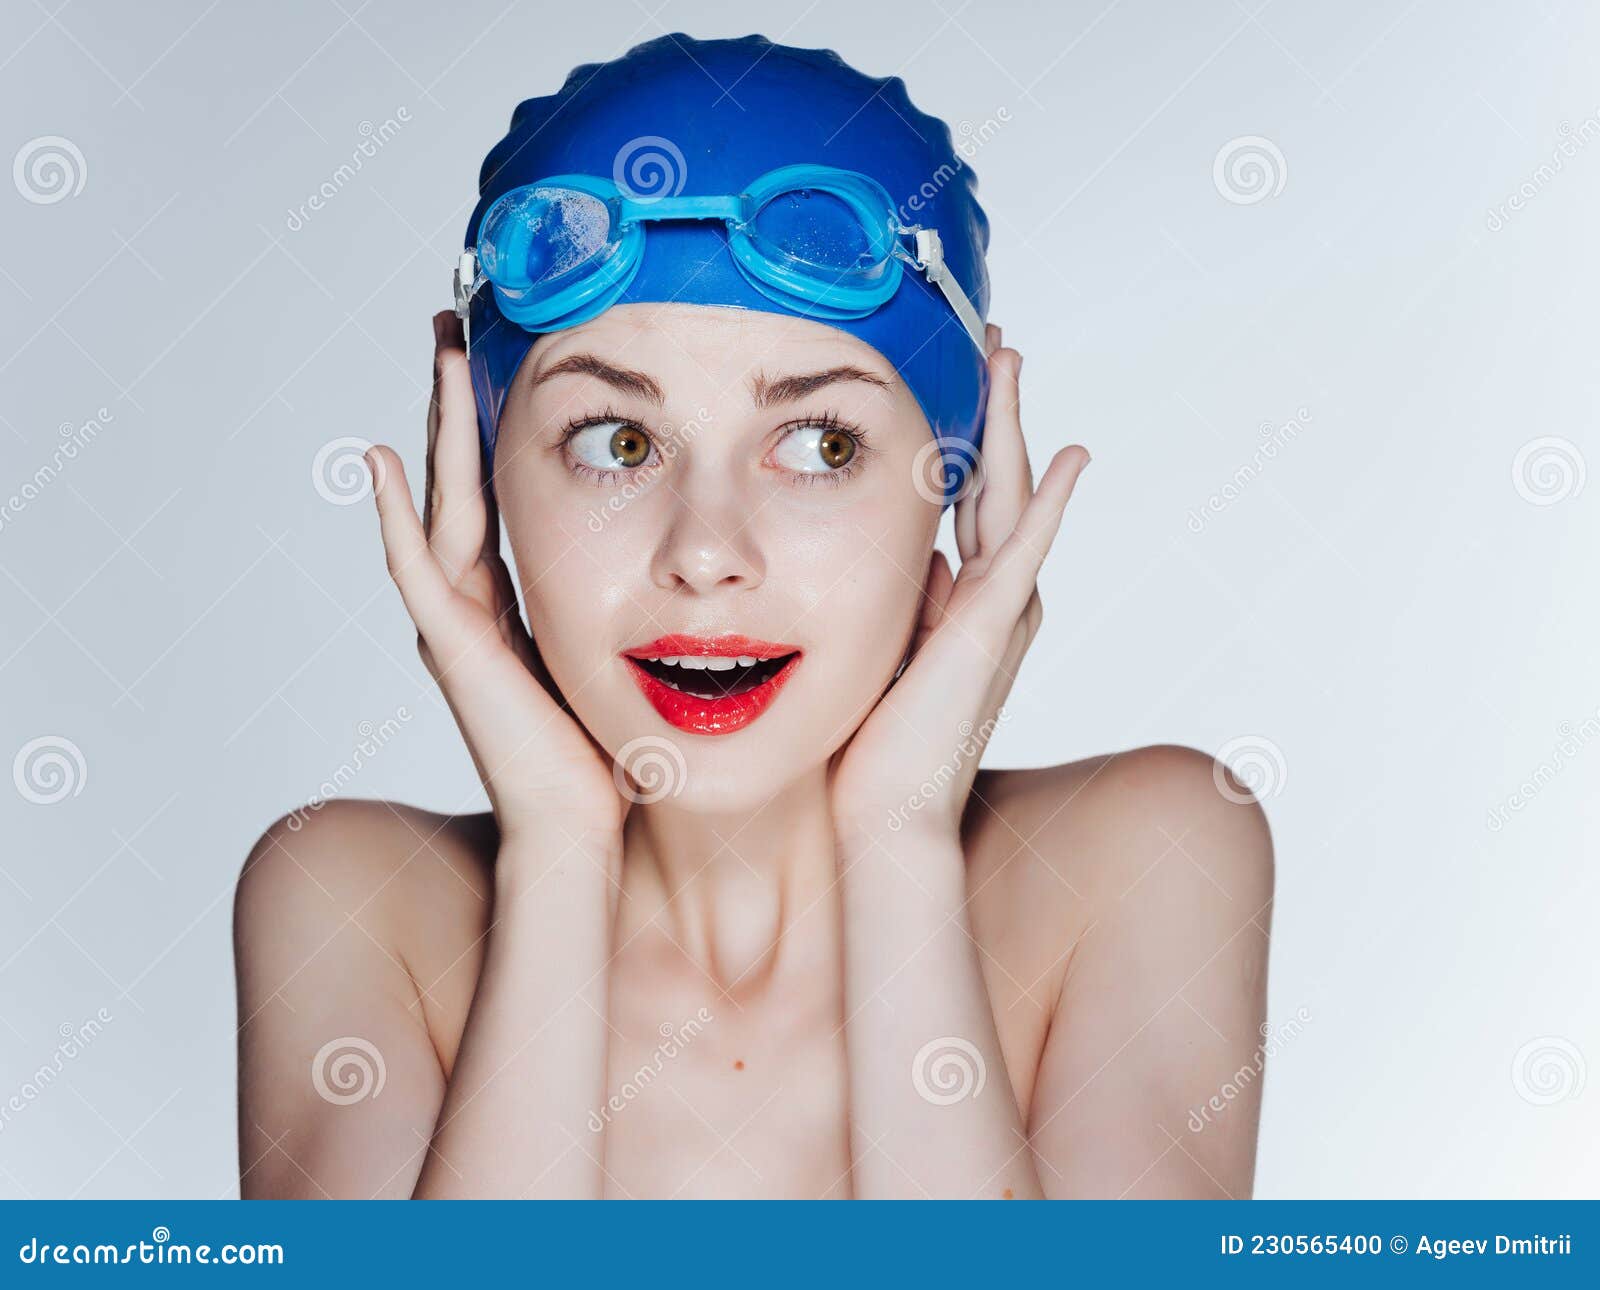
932, 1108
338, 1080
531, 1063
1150, 1082
341, 1090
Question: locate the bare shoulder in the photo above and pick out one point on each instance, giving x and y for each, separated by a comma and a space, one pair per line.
1135, 801
1096, 824
354, 929
1129, 871
370, 857
354, 879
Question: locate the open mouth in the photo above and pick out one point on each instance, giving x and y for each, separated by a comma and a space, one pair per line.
711, 685
713, 678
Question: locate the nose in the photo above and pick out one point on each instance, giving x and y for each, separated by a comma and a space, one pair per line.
707, 547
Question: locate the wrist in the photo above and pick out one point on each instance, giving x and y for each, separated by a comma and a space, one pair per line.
909, 834
533, 847
912, 825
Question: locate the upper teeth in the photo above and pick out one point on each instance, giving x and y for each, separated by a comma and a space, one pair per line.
707, 662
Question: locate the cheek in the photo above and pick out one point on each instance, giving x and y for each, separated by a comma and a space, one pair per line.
575, 592
856, 594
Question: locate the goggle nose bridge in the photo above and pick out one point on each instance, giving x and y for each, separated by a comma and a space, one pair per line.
637, 209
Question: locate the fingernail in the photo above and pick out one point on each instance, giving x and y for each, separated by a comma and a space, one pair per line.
438, 329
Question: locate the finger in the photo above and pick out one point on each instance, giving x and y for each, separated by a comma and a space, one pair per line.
935, 592
1033, 615
967, 524
1007, 477
416, 573
512, 629
433, 427
459, 514
491, 521
1005, 673
1012, 576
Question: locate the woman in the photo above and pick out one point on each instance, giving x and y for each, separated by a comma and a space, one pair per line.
745, 918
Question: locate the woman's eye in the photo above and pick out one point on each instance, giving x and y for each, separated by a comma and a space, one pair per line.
816, 449
611, 445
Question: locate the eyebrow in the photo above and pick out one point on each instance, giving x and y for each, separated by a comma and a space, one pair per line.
624, 379
765, 391
786, 389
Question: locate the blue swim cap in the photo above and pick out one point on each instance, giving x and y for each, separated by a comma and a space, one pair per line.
708, 117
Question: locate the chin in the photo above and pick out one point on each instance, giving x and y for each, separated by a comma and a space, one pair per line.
732, 771
712, 775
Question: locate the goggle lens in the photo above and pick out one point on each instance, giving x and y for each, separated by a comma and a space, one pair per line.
535, 239
817, 235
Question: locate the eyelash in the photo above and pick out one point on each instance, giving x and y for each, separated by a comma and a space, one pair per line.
828, 420
604, 478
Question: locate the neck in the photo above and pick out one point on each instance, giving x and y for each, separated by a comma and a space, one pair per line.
739, 892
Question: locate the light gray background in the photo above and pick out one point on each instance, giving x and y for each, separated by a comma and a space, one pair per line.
1399, 620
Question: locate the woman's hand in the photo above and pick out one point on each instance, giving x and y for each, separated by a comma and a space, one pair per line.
540, 767
912, 762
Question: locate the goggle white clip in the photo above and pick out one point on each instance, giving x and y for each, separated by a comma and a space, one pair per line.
928, 259
464, 285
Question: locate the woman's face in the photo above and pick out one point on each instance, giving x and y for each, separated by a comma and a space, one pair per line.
718, 536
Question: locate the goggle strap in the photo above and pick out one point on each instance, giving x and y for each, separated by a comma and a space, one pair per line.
930, 260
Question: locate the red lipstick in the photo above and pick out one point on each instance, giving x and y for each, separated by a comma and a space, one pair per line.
711, 685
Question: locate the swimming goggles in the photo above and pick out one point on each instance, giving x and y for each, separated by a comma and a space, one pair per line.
818, 241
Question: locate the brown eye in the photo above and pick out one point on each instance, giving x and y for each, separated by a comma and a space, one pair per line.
836, 448
629, 446
816, 450
611, 445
